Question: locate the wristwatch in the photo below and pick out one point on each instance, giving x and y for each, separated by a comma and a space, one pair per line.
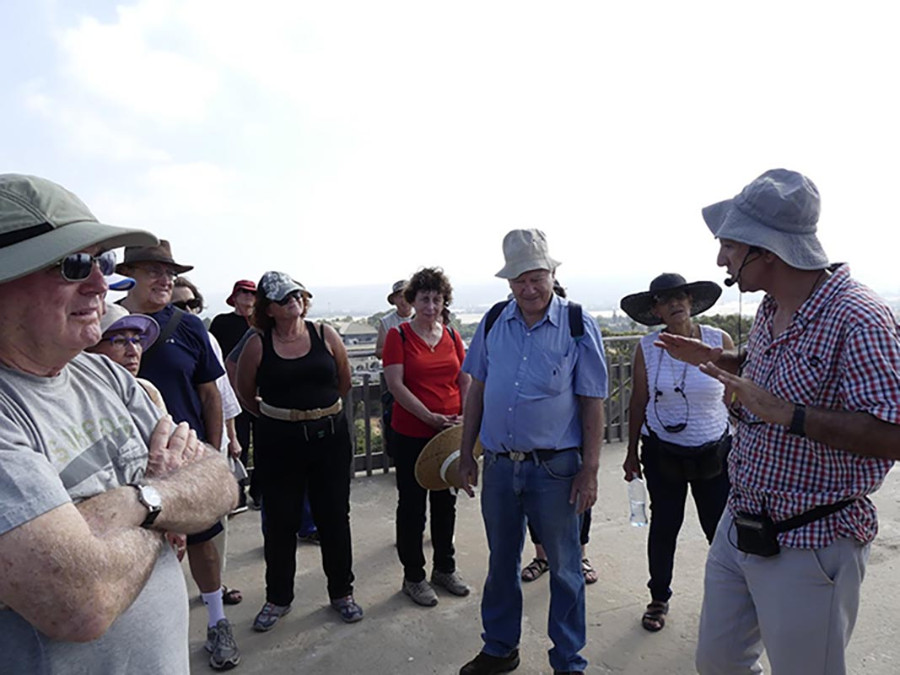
798, 421
149, 496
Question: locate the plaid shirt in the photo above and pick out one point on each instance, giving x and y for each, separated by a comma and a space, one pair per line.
840, 352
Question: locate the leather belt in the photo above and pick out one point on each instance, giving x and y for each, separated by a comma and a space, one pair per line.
292, 415
537, 454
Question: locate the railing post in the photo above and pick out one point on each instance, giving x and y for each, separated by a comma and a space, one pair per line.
367, 423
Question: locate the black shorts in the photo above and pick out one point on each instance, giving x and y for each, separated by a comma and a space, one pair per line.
206, 535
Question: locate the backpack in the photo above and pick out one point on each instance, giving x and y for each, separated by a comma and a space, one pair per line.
576, 319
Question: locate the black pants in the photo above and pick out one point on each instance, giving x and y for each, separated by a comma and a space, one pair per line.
244, 425
411, 504
667, 499
294, 461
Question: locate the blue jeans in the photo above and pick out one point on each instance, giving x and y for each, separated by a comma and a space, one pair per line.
539, 490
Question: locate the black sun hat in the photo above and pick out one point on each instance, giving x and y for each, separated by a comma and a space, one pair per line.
639, 306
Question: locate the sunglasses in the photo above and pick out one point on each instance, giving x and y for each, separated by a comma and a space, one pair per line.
78, 266
188, 305
119, 341
290, 296
661, 298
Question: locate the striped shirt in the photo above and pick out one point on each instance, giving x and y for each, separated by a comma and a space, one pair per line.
840, 352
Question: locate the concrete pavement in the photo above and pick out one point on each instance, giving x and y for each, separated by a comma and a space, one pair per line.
399, 637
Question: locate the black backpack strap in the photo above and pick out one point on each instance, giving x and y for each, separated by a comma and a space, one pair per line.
402, 334
576, 321
493, 314
166, 332
453, 335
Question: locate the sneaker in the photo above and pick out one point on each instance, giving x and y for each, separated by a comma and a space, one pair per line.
347, 607
223, 650
268, 616
311, 538
237, 510
421, 592
254, 504
450, 581
485, 664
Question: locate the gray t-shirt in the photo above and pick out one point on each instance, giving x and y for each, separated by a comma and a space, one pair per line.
68, 438
392, 320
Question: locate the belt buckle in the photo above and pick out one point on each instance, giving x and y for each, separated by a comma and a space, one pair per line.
518, 456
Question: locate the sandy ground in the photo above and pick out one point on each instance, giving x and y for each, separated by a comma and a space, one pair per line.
399, 637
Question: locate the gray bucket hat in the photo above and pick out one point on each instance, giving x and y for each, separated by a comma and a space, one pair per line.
639, 306
396, 288
525, 250
276, 286
779, 212
42, 222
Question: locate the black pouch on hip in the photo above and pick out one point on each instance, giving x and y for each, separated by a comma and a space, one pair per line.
756, 534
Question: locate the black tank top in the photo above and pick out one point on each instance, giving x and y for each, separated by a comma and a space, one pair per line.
303, 383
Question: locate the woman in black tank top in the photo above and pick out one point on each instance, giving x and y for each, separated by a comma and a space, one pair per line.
293, 377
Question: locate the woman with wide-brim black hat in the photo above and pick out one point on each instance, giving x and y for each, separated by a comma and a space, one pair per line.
679, 415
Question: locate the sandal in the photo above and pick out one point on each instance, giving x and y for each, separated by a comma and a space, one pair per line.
348, 609
590, 574
654, 618
535, 569
231, 596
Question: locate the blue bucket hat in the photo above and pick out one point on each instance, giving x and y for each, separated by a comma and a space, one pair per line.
779, 212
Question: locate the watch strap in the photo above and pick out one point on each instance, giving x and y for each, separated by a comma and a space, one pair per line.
798, 421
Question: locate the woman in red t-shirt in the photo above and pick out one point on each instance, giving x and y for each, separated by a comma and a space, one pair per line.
422, 367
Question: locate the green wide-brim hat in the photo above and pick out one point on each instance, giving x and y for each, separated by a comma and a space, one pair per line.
42, 222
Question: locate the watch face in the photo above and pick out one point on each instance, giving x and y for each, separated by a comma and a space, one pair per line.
151, 497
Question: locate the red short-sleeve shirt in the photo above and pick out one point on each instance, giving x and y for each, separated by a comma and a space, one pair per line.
432, 375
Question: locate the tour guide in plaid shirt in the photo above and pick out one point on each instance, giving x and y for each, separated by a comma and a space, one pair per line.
816, 401
537, 397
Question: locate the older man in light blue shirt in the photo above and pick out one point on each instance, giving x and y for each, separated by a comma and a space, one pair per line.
537, 400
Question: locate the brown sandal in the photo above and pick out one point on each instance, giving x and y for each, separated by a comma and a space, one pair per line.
535, 569
654, 618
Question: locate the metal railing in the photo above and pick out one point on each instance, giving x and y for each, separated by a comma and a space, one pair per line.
362, 405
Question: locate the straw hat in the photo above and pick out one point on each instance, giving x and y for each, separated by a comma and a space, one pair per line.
438, 465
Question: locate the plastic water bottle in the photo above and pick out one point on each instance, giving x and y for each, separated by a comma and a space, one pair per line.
637, 498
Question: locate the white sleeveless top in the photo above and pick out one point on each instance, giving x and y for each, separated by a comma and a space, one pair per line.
701, 409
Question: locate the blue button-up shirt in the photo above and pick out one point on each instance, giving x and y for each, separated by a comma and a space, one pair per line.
532, 376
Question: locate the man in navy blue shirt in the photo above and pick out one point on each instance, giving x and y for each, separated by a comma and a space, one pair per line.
184, 368
537, 400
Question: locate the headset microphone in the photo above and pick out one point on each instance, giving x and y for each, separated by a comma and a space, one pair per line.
730, 281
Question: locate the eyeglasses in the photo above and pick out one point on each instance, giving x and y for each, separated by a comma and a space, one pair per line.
157, 271
78, 266
119, 341
189, 305
290, 296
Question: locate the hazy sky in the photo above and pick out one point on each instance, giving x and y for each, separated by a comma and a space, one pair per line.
350, 143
